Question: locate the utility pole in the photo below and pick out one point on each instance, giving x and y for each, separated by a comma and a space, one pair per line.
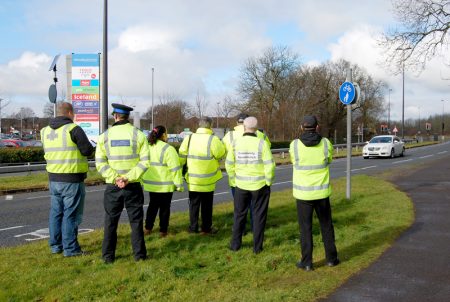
104, 102
1, 117
153, 115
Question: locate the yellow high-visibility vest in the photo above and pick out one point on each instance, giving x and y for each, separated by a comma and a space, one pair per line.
122, 150
250, 164
164, 173
205, 151
61, 153
311, 173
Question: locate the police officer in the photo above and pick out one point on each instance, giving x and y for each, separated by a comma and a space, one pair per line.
311, 156
201, 151
122, 158
228, 140
161, 179
250, 168
66, 147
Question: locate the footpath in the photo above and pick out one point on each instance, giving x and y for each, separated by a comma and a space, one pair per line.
417, 266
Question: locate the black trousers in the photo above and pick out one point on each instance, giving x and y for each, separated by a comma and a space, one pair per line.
159, 201
203, 200
242, 200
305, 209
132, 198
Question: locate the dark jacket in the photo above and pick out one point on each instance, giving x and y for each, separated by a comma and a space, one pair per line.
310, 138
80, 139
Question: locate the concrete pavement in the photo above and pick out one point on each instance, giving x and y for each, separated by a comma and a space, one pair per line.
417, 266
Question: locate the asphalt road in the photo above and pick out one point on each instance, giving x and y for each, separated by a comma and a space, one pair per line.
24, 217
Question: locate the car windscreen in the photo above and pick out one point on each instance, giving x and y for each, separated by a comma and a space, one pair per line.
381, 140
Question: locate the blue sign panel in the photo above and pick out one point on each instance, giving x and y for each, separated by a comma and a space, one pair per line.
347, 93
86, 104
90, 59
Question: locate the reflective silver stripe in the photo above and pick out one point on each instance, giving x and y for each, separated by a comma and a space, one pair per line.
104, 168
208, 148
122, 171
101, 160
231, 137
122, 157
199, 157
142, 167
57, 149
260, 149
143, 158
149, 182
135, 133
268, 162
297, 159
325, 149
175, 169
203, 175
105, 142
250, 178
183, 156
311, 167
229, 162
249, 162
161, 158
67, 161
157, 164
311, 188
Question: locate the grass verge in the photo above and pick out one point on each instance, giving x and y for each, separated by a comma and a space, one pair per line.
186, 267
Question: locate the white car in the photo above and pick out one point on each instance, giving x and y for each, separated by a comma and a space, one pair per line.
384, 146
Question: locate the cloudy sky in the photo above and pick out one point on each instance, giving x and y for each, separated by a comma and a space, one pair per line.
197, 46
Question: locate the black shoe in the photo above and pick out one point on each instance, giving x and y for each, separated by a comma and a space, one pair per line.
140, 259
306, 268
191, 231
210, 232
333, 263
108, 261
80, 253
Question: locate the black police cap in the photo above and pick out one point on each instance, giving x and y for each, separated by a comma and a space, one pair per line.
309, 121
120, 108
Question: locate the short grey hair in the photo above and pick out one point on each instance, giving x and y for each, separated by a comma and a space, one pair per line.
205, 122
251, 124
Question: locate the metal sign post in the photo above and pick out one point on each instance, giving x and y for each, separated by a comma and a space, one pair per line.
347, 95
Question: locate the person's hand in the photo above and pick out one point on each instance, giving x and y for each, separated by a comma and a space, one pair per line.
121, 182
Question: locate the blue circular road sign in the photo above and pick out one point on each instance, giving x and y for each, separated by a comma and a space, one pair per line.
347, 93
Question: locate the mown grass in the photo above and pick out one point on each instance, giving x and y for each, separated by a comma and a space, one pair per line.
185, 267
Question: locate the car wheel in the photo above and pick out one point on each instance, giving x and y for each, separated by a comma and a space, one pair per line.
392, 153
365, 157
403, 152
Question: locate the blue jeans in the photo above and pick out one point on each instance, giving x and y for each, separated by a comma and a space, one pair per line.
66, 211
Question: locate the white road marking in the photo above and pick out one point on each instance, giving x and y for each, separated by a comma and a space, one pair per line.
9, 197
364, 168
37, 197
44, 233
442, 152
427, 156
12, 228
402, 161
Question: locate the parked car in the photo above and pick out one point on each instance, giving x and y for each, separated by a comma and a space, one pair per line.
384, 146
13, 143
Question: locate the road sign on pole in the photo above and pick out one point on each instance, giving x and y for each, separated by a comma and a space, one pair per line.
347, 93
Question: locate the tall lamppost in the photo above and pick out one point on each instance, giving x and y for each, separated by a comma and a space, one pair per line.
218, 109
419, 119
1, 117
442, 121
403, 99
153, 116
389, 111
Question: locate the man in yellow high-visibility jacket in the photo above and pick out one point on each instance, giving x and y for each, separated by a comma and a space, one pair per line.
228, 141
66, 148
201, 151
250, 168
311, 156
122, 157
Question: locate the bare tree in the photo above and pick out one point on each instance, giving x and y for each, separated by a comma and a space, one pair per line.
200, 105
48, 109
228, 107
423, 33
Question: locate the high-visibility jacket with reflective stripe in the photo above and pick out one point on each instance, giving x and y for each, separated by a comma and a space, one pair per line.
61, 153
122, 150
311, 173
238, 131
250, 164
205, 151
164, 173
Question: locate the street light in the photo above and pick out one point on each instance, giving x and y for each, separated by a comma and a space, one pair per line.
218, 109
1, 117
403, 99
153, 116
389, 111
442, 121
